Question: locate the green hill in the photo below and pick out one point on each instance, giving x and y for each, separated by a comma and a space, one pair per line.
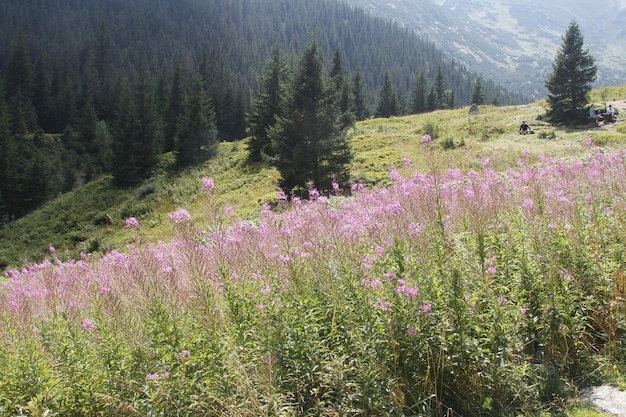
92, 218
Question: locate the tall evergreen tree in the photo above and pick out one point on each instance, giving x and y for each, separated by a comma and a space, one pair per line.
149, 135
440, 89
361, 107
196, 135
387, 102
309, 141
266, 107
432, 102
478, 97
125, 167
342, 91
418, 94
41, 96
19, 87
569, 84
174, 109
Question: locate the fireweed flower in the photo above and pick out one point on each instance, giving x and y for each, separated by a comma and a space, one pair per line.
313, 193
411, 330
207, 184
88, 326
52, 250
425, 308
179, 216
426, 139
132, 223
384, 305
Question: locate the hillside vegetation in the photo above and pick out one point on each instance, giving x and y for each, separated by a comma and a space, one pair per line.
91, 219
471, 271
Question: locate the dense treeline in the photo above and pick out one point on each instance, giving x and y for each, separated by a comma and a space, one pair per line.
112, 86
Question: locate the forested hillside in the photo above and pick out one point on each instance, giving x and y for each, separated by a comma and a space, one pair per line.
89, 88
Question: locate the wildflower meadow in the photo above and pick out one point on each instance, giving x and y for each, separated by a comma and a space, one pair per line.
448, 293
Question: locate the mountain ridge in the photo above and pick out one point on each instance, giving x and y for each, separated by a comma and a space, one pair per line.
514, 42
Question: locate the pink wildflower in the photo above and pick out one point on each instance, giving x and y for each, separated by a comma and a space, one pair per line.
152, 377
426, 139
207, 184
132, 223
184, 354
425, 308
88, 325
384, 305
411, 330
179, 216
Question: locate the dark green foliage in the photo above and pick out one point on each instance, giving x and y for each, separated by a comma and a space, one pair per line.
196, 132
387, 99
418, 94
569, 84
361, 107
266, 107
478, 97
309, 141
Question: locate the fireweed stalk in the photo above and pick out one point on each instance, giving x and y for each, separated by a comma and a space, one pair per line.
480, 292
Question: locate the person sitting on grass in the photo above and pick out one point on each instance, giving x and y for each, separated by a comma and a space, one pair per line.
524, 129
609, 113
593, 113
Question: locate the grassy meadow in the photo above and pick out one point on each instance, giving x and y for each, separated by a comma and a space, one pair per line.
482, 273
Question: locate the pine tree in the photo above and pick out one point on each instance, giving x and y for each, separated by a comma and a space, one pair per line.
418, 94
19, 88
266, 107
125, 167
196, 134
341, 90
387, 102
569, 84
478, 97
361, 108
174, 110
149, 134
310, 144
440, 89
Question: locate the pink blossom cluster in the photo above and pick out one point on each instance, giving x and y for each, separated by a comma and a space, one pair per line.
322, 237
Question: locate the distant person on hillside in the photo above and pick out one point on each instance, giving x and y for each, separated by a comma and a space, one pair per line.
524, 129
593, 113
608, 115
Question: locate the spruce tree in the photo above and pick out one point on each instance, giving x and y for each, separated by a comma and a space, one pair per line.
149, 124
387, 104
310, 144
266, 107
569, 84
361, 108
196, 135
125, 167
478, 97
341, 90
418, 94
440, 89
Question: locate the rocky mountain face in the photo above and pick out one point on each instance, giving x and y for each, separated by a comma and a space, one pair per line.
514, 41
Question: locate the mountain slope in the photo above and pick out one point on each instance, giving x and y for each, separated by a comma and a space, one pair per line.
514, 41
